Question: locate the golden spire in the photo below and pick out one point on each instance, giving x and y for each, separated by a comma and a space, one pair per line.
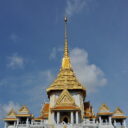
66, 60
65, 38
66, 78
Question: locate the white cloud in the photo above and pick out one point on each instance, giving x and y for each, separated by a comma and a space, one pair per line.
74, 6
49, 75
38, 83
14, 37
32, 85
88, 74
15, 61
54, 52
11, 105
4, 109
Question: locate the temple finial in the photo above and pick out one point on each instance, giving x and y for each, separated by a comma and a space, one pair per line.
65, 38
66, 59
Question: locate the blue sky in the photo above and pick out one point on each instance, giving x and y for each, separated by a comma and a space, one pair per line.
31, 44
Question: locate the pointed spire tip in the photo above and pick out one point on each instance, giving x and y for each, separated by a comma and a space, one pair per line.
65, 19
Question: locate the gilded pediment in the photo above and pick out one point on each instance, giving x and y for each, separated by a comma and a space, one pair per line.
12, 113
104, 108
65, 98
24, 109
118, 111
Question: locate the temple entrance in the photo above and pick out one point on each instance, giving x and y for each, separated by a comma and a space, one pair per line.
65, 119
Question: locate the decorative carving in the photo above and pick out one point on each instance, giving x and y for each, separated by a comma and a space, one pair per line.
104, 108
12, 113
118, 111
24, 109
65, 99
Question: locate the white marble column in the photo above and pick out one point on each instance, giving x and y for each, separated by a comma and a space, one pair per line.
5, 125
58, 117
32, 122
14, 124
72, 118
77, 118
100, 119
53, 117
110, 120
17, 123
124, 123
27, 122
114, 122
93, 120
42, 121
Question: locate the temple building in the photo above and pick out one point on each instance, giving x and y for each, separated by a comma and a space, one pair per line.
67, 106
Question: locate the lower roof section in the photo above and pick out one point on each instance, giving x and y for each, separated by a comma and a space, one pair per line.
63, 108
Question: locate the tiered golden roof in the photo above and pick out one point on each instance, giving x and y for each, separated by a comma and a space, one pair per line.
11, 116
44, 113
66, 78
24, 109
12, 113
104, 110
118, 114
24, 112
88, 110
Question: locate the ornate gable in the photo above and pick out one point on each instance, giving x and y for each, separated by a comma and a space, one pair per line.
118, 111
24, 109
12, 113
11, 116
65, 99
119, 114
104, 108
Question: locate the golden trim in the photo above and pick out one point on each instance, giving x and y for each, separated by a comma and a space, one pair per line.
12, 113
24, 115
10, 119
24, 109
118, 111
65, 99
